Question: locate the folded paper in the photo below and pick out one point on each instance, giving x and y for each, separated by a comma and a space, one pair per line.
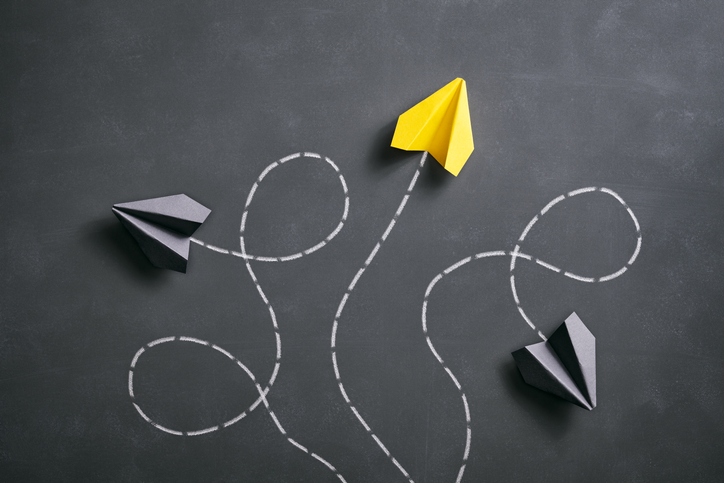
564, 365
439, 125
163, 227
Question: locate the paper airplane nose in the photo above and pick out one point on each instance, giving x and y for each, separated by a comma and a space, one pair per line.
162, 227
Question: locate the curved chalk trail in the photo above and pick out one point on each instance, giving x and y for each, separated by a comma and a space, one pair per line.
342, 303
515, 254
277, 363
516, 251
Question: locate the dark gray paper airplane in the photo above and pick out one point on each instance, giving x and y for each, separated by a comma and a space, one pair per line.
565, 365
163, 227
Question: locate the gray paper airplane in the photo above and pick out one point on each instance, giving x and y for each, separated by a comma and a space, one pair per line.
163, 227
565, 365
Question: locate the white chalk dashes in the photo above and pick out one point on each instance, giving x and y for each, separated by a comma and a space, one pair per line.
437, 356
250, 197
262, 396
247, 258
335, 324
516, 253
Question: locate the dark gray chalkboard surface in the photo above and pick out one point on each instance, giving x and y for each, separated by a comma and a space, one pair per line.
107, 102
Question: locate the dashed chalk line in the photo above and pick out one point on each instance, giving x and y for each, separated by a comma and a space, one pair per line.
244, 255
247, 259
515, 254
250, 197
335, 324
449, 372
262, 397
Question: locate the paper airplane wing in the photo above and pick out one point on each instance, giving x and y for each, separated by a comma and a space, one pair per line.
163, 247
542, 369
576, 347
565, 365
177, 212
439, 125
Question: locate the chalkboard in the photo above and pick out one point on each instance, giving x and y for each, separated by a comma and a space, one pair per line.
382, 350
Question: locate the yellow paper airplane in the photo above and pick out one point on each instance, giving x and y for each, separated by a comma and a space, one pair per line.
439, 125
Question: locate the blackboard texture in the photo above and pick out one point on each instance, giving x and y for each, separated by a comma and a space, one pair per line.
373, 301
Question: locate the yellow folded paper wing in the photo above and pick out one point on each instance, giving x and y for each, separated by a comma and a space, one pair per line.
439, 125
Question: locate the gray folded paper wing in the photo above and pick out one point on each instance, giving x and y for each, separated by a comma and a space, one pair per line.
162, 227
177, 212
565, 365
576, 347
